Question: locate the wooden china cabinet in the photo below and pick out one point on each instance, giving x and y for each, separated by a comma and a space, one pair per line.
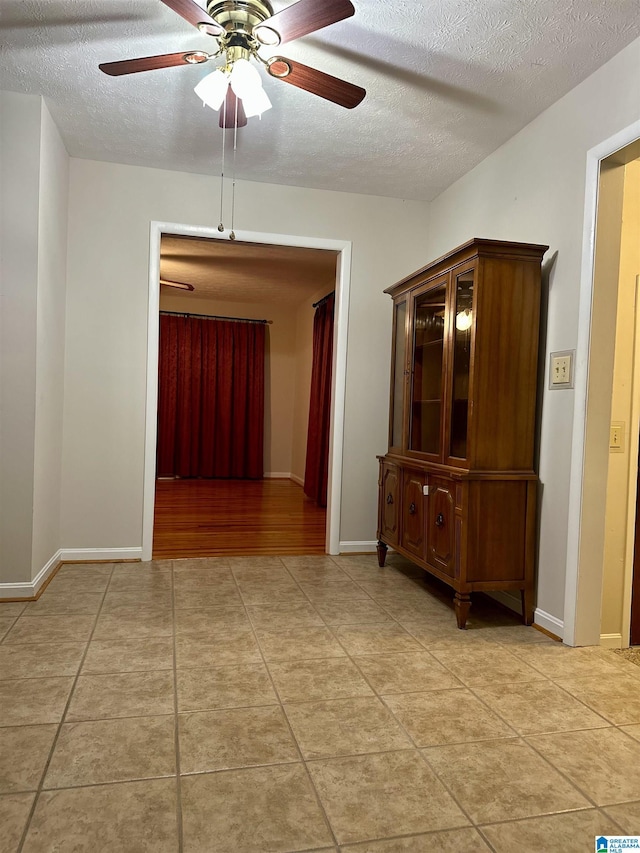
457, 489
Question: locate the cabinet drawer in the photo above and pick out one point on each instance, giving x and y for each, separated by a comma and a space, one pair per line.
389, 503
441, 525
412, 529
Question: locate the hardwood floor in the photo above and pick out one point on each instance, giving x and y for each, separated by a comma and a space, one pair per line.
205, 518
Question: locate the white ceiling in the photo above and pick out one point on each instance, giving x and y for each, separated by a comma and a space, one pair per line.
246, 272
448, 81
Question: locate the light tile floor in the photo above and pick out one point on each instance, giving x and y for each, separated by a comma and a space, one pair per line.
266, 705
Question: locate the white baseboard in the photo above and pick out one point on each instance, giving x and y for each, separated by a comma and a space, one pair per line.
540, 617
358, 547
98, 555
30, 588
611, 641
513, 602
548, 622
277, 475
296, 479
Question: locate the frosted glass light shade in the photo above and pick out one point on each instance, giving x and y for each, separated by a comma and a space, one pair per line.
463, 320
245, 79
212, 89
256, 103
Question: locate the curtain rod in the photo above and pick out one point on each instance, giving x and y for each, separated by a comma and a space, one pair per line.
217, 317
324, 299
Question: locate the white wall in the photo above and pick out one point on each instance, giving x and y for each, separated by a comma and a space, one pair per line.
280, 366
533, 189
110, 208
33, 276
52, 280
20, 152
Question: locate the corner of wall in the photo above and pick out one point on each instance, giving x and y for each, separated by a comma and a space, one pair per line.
53, 209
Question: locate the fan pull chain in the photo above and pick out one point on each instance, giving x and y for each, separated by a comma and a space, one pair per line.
232, 235
224, 108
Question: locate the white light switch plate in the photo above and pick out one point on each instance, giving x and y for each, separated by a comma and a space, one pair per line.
561, 369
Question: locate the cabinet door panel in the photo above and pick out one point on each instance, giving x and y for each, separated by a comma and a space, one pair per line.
389, 503
399, 373
461, 349
428, 367
440, 526
413, 529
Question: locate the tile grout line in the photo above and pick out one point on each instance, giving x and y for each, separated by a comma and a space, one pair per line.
518, 736
464, 685
62, 720
284, 713
412, 748
353, 659
11, 627
524, 740
176, 728
420, 750
587, 706
510, 820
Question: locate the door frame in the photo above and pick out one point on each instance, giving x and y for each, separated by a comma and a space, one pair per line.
584, 565
339, 367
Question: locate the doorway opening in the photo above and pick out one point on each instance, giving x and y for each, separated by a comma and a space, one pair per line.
259, 277
603, 494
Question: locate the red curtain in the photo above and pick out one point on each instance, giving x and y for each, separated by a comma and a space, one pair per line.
210, 398
316, 471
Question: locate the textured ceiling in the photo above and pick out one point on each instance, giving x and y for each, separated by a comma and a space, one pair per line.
246, 272
448, 81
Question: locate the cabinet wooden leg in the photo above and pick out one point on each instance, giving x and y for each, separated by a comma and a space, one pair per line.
462, 604
382, 553
527, 606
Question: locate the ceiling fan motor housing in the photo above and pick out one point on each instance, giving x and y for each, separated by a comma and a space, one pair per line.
239, 17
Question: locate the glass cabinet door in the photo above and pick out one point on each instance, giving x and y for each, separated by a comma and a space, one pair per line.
398, 367
426, 391
463, 325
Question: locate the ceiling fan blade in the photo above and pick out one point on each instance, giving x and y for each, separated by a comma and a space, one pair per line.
180, 285
195, 15
317, 82
306, 16
151, 63
228, 112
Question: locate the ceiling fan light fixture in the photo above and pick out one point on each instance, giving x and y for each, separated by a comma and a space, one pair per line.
245, 79
256, 103
212, 89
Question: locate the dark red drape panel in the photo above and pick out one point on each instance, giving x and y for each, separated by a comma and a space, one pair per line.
210, 398
316, 472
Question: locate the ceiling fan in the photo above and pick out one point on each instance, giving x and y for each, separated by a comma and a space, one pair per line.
241, 28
